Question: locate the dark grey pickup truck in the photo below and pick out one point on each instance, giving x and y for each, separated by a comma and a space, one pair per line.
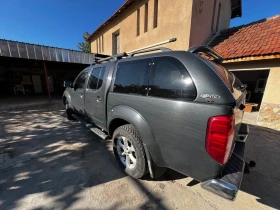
169, 109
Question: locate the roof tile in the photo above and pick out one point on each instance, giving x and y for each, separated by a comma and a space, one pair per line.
255, 39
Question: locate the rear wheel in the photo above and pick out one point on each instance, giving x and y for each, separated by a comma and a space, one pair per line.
68, 111
129, 151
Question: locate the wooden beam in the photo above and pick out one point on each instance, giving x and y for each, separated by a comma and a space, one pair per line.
47, 81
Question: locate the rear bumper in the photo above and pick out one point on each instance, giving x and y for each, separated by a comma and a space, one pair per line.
228, 185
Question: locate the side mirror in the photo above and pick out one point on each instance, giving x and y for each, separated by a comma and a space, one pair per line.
67, 84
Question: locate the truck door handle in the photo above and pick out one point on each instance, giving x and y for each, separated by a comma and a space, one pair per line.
99, 99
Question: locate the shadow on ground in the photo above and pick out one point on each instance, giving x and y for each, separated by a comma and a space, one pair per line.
46, 157
47, 162
263, 146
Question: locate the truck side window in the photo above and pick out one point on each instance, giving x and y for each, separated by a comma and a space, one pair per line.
80, 82
132, 77
93, 78
96, 78
170, 79
101, 77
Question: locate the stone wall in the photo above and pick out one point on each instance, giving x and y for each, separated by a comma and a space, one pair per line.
269, 116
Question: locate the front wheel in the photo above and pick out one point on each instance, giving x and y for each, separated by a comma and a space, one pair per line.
129, 151
68, 111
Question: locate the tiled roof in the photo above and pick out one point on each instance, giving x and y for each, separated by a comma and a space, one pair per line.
259, 38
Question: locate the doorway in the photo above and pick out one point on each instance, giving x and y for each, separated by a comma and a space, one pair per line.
256, 83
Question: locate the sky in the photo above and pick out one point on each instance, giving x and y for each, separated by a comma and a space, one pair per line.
61, 23
253, 10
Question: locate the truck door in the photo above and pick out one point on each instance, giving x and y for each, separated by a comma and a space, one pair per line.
94, 96
77, 93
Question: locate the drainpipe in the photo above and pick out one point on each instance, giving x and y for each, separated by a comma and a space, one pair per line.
47, 80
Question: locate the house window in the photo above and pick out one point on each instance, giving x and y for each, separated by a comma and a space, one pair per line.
97, 48
138, 23
218, 19
100, 49
155, 13
116, 42
213, 16
146, 18
102, 38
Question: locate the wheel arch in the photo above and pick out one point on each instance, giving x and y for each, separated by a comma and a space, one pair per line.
65, 96
121, 115
64, 99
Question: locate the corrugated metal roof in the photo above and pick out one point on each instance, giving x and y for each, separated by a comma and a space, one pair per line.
16, 49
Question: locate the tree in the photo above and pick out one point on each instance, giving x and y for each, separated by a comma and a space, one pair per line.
85, 46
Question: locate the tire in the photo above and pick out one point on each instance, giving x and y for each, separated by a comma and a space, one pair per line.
137, 167
68, 111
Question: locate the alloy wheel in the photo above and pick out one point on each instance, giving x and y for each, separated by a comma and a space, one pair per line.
126, 152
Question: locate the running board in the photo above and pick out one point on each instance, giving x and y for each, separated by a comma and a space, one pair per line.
92, 127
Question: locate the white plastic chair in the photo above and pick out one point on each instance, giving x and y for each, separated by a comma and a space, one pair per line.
19, 88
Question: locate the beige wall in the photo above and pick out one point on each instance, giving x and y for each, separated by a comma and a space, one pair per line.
202, 17
272, 90
171, 23
269, 115
225, 16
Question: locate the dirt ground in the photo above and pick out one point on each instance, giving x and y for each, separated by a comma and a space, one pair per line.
48, 162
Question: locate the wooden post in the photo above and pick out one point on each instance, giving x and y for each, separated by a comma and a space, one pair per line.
47, 81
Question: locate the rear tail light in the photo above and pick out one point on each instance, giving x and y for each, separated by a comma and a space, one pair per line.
219, 139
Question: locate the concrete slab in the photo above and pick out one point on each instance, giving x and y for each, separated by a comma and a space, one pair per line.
58, 164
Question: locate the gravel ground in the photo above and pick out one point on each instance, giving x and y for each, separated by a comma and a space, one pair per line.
48, 162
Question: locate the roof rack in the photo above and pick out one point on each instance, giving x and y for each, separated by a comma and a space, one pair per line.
114, 57
138, 51
208, 51
163, 49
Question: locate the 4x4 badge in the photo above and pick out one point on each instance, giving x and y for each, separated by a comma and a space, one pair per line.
213, 96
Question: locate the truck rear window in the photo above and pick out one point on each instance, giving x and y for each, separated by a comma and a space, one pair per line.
230, 80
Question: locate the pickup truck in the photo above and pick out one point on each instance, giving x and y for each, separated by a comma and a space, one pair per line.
170, 109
